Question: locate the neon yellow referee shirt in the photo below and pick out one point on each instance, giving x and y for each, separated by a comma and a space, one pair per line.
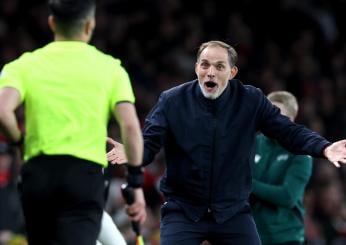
69, 89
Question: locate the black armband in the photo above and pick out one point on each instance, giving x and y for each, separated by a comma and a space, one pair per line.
135, 177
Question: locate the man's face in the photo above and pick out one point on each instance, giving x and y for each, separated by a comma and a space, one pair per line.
214, 71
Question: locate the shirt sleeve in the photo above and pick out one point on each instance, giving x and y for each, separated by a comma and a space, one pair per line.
292, 188
122, 89
12, 76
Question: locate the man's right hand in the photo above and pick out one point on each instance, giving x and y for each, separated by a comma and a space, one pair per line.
136, 211
117, 154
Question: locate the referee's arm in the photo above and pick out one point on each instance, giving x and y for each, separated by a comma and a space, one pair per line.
9, 101
132, 139
131, 134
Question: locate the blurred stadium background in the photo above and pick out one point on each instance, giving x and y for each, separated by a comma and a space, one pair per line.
295, 45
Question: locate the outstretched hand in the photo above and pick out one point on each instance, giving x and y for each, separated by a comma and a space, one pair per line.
117, 154
336, 153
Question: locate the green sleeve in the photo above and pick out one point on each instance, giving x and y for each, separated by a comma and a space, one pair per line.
11, 76
122, 88
292, 188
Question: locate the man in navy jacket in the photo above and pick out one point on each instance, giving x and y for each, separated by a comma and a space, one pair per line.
207, 128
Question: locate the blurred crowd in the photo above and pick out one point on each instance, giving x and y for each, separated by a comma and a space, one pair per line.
299, 46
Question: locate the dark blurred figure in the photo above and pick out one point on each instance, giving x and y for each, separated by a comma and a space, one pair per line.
11, 216
331, 212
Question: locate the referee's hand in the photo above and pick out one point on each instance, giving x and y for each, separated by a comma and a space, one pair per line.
117, 154
137, 211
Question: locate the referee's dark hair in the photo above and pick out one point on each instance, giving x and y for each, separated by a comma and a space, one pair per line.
70, 15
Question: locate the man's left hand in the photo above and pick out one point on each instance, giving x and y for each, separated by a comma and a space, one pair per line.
336, 153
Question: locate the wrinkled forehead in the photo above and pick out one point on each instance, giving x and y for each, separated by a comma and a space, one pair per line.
214, 54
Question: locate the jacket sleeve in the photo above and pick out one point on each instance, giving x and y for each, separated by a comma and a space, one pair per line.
294, 137
292, 188
154, 130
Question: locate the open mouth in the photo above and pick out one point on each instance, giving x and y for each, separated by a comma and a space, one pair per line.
210, 84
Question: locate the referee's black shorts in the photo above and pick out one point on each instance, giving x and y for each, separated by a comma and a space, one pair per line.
63, 199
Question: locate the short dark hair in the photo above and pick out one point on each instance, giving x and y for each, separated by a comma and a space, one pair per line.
232, 54
71, 14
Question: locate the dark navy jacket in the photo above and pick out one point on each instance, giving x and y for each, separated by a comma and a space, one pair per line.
209, 145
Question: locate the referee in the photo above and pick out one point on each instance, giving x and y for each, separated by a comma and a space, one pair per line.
69, 90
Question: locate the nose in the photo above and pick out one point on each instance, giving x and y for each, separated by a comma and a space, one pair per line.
211, 72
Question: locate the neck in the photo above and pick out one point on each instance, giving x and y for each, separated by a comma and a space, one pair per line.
80, 38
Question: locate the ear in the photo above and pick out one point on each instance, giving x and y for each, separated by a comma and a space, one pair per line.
51, 23
89, 26
234, 71
196, 68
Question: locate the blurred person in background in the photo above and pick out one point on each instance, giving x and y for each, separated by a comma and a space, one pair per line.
329, 208
312, 228
207, 128
70, 90
279, 181
109, 233
11, 215
330, 211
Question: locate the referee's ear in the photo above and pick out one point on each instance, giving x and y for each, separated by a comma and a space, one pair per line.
51, 23
90, 26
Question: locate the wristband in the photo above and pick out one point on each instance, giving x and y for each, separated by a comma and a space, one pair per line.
135, 177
